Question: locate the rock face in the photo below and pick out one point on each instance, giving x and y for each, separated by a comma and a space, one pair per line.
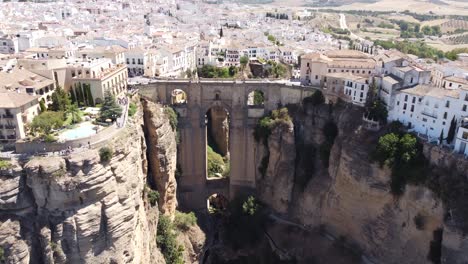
219, 129
351, 198
162, 158
77, 209
280, 157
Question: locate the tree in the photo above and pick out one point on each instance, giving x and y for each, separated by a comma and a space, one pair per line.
250, 206
243, 61
105, 154
74, 112
259, 98
110, 109
60, 100
42, 105
232, 70
46, 121
89, 95
441, 137
221, 32
452, 130
378, 111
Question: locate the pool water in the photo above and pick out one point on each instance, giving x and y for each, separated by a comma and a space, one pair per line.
84, 130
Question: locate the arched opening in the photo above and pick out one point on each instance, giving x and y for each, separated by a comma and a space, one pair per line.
256, 99
217, 203
217, 143
178, 97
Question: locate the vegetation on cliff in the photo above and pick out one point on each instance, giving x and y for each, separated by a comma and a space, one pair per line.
263, 129
216, 165
166, 240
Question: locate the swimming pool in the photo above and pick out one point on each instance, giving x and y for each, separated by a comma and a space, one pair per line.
84, 129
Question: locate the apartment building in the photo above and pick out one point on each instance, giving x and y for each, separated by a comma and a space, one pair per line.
314, 66
100, 75
115, 53
16, 109
9, 44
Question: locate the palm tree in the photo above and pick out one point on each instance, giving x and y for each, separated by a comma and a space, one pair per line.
74, 111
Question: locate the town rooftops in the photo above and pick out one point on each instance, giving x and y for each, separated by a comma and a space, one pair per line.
355, 54
457, 80
431, 91
15, 100
22, 79
391, 79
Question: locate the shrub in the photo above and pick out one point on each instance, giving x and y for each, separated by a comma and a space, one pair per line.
171, 114
184, 221
47, 121
132, 109
378, 111
166, 240
153, 197
105, 154
5, 164
279, 117
49, 138
250, 206
2, 255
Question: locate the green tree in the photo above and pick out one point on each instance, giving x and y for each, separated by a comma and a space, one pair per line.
46, 121
60, 100
42, 105
105, 154
215, 163
452, 130
378, 111
89, 95
73, 96
232, 71
243, 61
74, 112
110, 109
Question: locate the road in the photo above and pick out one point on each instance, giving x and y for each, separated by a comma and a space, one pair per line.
343, 25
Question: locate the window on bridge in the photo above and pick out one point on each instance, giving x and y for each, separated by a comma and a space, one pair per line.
217, 203
179, 97
217, 144
256, 98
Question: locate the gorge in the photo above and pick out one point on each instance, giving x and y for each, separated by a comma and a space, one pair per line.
325, 199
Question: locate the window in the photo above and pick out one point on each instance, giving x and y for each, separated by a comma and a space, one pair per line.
466, 97
308, 64
450, 84
412, 108
329, 70
464, 108
404, 106
447, 104
362, 87
362, 94
316, 77
406, 98
414, 100
411, 81
445, 115
398, 103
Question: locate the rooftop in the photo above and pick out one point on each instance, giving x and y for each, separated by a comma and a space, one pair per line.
15, 100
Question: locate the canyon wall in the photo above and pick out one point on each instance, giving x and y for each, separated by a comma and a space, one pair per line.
79, 209
351, 198
162, 155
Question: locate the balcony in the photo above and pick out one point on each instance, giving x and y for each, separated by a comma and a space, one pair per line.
9, 126
9, 116
433, 115
11, 137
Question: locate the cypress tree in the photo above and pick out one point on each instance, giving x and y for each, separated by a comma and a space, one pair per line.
441, 137
72, 96
90, 95
451, 132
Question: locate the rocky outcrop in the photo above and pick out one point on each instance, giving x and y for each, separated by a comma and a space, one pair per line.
218, 129
351, 198
77, 209
162, 158
276, 171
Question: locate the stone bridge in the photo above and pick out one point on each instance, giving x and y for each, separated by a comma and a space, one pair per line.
201, 96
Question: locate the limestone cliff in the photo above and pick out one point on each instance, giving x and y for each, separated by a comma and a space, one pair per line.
162, 155
77, 209
351, 198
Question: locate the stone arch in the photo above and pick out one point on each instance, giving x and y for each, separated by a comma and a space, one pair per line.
256, 98
217, 131
250, 90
